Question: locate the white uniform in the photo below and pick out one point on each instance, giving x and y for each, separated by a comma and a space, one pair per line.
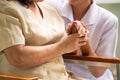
103, 27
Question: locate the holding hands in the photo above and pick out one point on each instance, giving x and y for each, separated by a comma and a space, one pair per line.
77, 27
77, 37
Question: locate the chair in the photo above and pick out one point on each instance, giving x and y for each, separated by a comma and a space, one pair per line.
103, 60
4, 76
92, 58
96, 61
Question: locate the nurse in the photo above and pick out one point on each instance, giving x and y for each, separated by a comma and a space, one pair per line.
103, 28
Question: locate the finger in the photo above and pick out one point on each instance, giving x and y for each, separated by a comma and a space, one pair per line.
87, 33
68, 28
84, 25
81, 29
83, 38
82, 44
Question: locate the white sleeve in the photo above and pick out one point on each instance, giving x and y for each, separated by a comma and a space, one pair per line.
109, 37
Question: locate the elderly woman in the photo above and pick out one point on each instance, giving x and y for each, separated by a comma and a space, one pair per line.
33, 38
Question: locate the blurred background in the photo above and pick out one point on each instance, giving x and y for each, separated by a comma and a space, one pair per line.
108, 1
114, 7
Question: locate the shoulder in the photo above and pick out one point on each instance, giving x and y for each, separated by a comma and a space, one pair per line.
14, 5
11, 11
107, 15
13, 8
107, 19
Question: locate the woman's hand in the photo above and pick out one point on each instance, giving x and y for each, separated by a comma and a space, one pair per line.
70, 43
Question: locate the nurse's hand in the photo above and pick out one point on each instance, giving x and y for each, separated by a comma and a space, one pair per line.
77, 27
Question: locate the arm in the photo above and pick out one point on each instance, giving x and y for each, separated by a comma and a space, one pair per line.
29, 56
96, 71
88, 51
104, 48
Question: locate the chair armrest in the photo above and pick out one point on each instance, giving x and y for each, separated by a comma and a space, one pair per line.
92, 58
4, 76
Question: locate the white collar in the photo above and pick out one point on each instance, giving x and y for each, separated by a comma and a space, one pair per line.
66, 10
89, 18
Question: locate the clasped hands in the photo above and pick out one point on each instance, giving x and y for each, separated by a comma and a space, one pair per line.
77, 36
79, 28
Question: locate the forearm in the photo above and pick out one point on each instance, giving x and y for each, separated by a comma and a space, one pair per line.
97, 71
88, 51
30, 56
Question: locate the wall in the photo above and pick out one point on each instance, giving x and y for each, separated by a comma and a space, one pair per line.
108, 1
